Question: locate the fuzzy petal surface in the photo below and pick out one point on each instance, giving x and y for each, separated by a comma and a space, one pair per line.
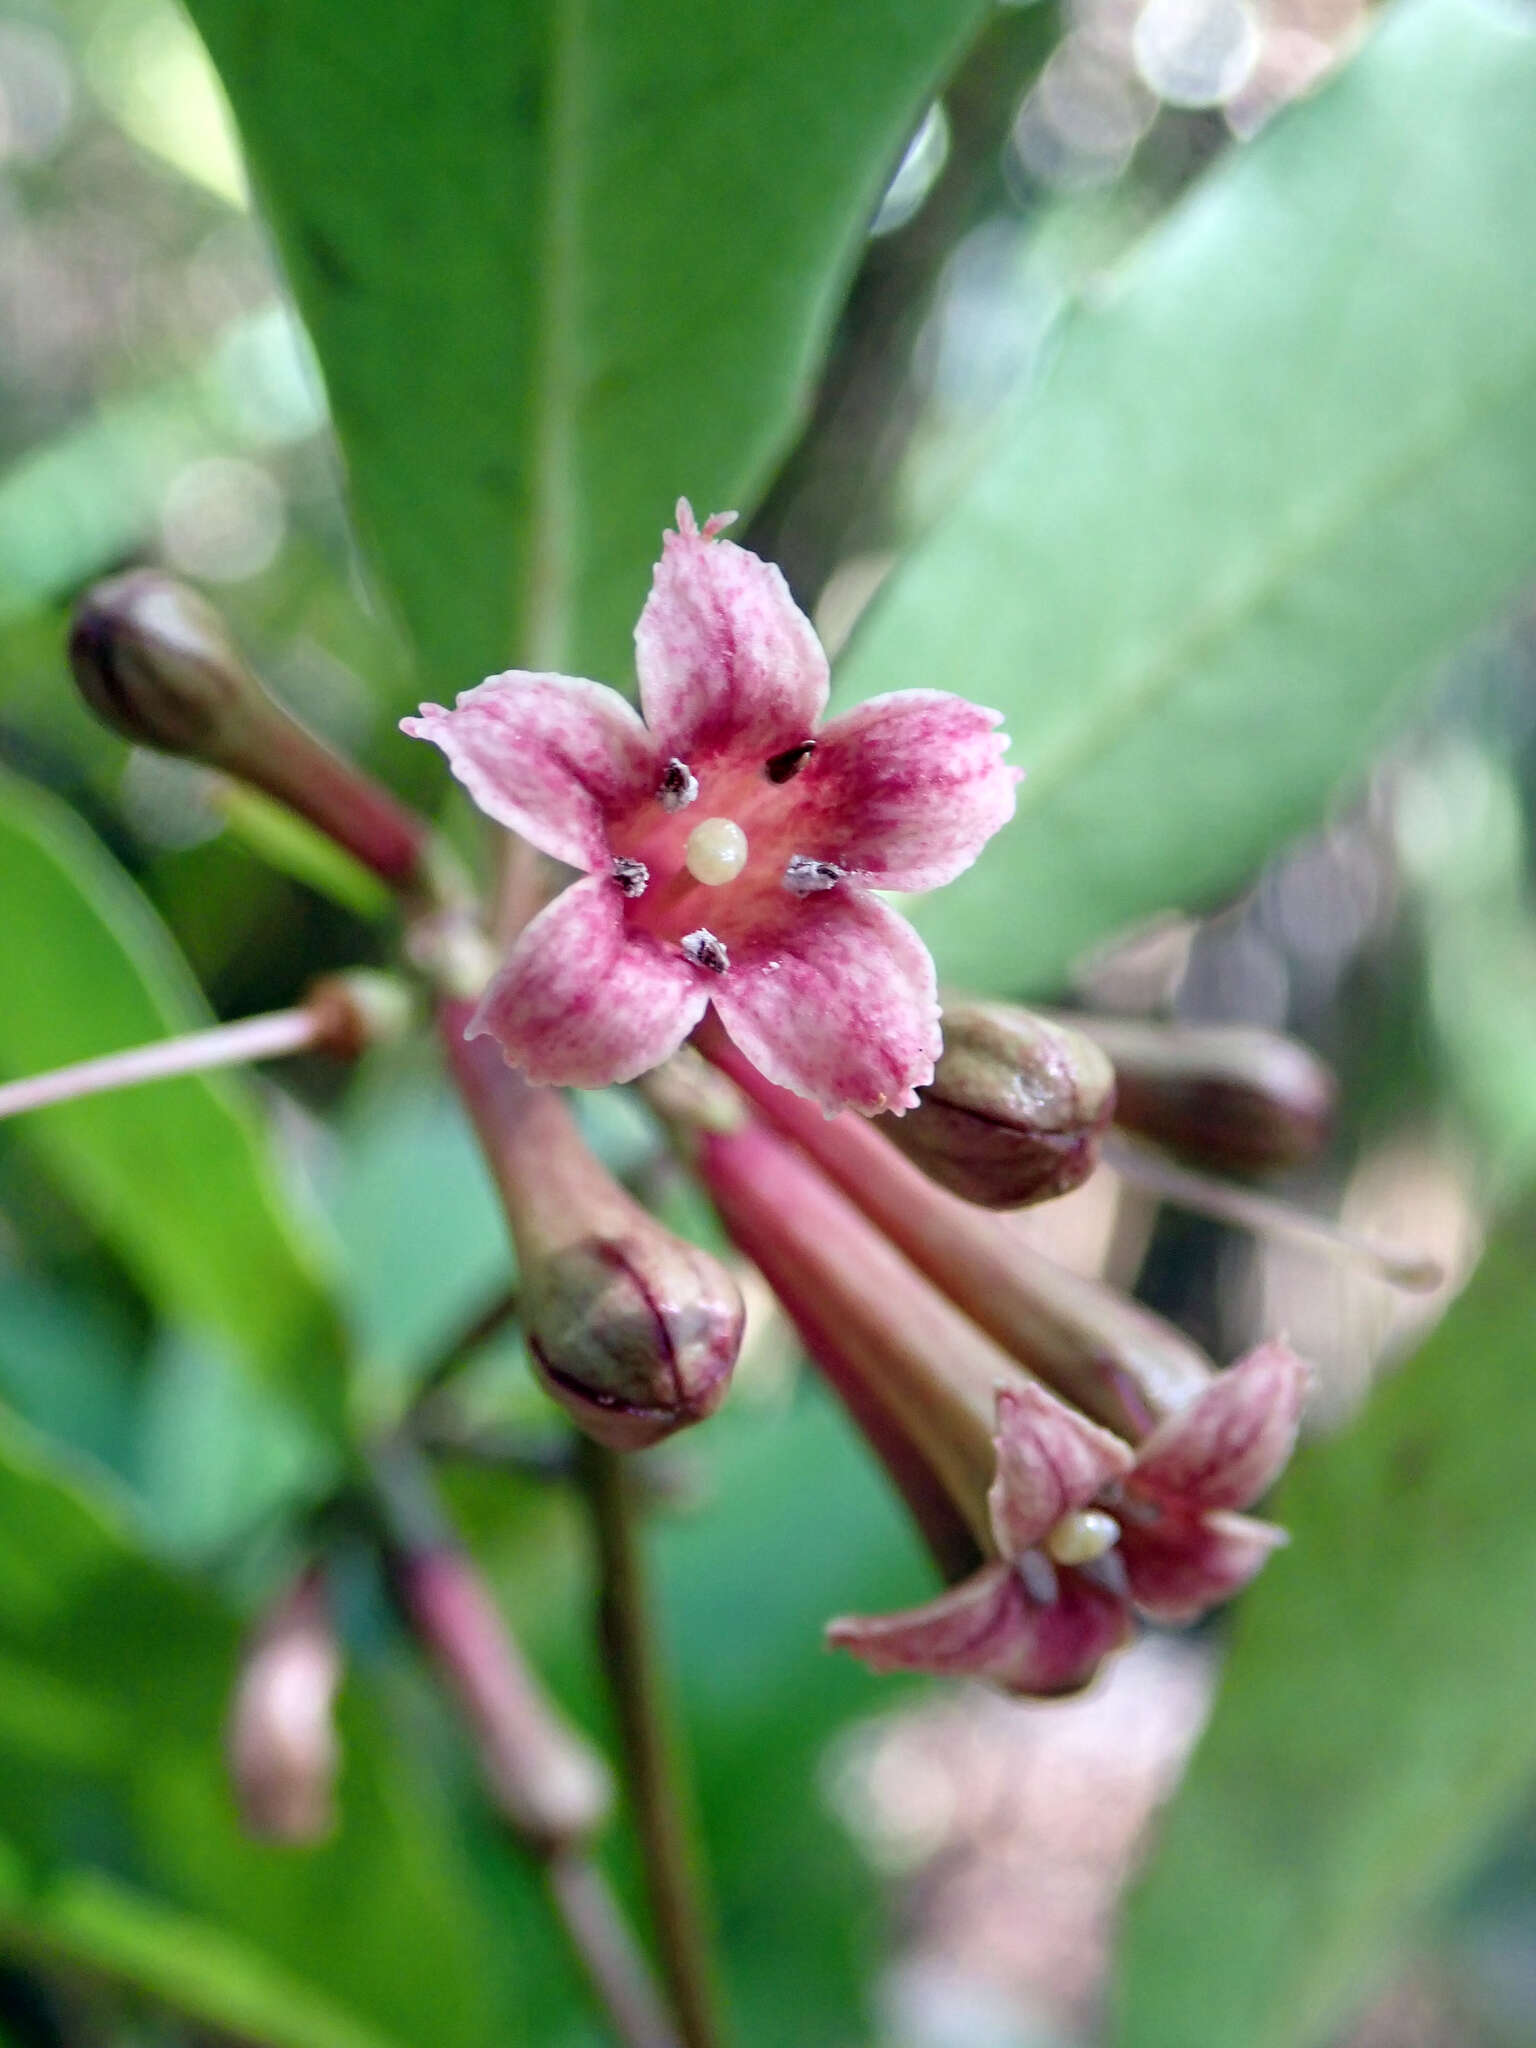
990, 1627
726, 658
552, 757
1233, 1440
906, 790
839, 1002
1050, 1461
584, 1000
1181, 1565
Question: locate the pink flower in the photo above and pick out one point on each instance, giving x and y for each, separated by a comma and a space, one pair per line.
730, 848
1085, 1529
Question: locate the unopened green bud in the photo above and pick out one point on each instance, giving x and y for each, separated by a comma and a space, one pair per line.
155, 662
633, 1330
1227, 1097
1015, 1109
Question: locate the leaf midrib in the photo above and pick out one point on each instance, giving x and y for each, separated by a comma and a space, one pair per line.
544, 615
1162, 675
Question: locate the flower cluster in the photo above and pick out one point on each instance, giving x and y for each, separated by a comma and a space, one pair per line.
732, 846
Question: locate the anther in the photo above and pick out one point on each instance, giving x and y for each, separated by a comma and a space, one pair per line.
1081, 1537
705, 950
807, 877
716, 851
632, 876
783, 766
678, 787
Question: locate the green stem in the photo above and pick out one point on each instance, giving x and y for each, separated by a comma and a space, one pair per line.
654, 1779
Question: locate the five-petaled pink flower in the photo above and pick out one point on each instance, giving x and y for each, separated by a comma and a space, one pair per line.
730, 846
1086, 1529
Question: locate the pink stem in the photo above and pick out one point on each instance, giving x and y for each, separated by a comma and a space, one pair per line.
223, 1045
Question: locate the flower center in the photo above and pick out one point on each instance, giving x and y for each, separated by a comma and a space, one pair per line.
716, 851
1080, 1537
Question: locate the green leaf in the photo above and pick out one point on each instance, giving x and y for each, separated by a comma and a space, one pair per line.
1375, 1725
562, 262
86, 1922
115, 1674
177, 1176
1275, 473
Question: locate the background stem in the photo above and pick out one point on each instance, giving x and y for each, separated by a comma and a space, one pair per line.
654, 1780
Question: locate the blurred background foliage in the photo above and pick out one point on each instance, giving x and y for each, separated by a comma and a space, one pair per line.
1196, 430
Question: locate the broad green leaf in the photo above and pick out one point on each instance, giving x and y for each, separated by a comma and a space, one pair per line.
177, 1176
92, 1924
561, 261
1274, 472
115, 1674
1374, 1726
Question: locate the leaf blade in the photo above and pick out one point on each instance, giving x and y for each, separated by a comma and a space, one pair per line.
1272, 477
1372, 1725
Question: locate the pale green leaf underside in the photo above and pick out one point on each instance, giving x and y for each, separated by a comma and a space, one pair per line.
1374, 1724
563, 260
1285, 464
177, 1176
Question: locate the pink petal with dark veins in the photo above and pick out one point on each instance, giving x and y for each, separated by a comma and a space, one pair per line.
1233, 1440
584, 999
1180, 1565
907, 789
838, 1002
551, 757
727, 660
990, 1627
1050, 1461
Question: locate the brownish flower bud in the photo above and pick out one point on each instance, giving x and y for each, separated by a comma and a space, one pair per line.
1014, 1111
633, 1330
155, 662
548, 1782
281, 1736
1226, 1097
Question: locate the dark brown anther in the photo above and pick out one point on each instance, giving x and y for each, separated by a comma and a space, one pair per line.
632, 876
678, 786
784, 767
705, 950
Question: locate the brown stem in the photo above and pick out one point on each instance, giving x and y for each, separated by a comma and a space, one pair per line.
660, 1804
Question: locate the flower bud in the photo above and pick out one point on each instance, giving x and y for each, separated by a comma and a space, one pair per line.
281, 1737
633, 1330
356, 1010
548, 1782
1224, 1097
154, 661
1014, 1110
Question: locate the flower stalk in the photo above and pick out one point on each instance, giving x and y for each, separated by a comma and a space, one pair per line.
653, 1773
342, 1015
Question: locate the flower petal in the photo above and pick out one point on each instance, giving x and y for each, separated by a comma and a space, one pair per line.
906, 789
726, 657
552, 757
991, 1627
1180, 1565
584, 999
838, 1002
1233, 1440
1050, 1460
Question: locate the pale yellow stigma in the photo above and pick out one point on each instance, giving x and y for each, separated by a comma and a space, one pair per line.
1081, 1537
716, 851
